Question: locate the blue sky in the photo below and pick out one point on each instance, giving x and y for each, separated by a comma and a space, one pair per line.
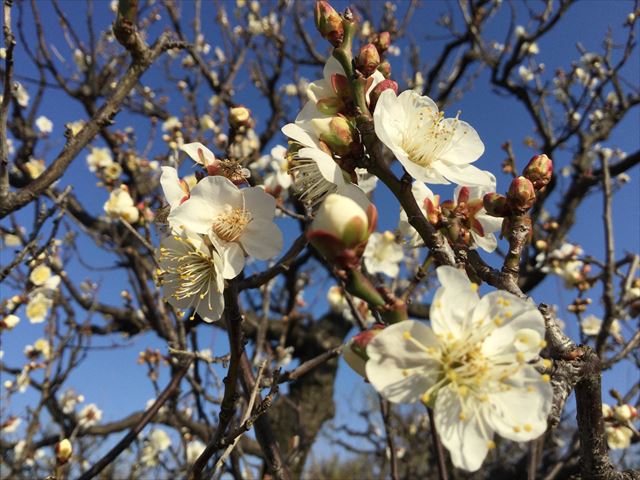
121, 386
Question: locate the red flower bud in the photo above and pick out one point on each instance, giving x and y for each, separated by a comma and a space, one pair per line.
385, 69
495, 204
521, 195
378, 89
382, 41
539, 171
329, 23
368, 59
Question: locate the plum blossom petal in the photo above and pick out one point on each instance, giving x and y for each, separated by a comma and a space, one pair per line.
433, 149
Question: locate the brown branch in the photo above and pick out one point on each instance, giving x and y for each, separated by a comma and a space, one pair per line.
141, 62
137, 428
10, 42
233, 319
608, 297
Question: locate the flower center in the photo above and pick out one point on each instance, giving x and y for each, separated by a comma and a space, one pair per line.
230, 225
189, 271
428, 136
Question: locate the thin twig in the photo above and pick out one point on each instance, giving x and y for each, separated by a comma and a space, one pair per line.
437, 447
137, 428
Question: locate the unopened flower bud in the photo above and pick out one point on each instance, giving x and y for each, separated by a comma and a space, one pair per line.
338, 135
63, 451
521, 195
342, 218
368, 59
382, 41
240, 117
385, 69
539, 171
379, 88
495, 204
329, 23
355, 352
624, 412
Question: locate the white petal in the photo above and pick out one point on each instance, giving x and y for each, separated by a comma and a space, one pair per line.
298, 134
487, 242
466, 146
453, 303
466, 440
233, 257
511, 314
520, 413
464, 174
388, 119
171, 186
262, 239
207, 199
489, 224
356, 362
328, 168
318, 90
412, 102
259, 203
423, 174
392, 356
191, 149
330, 67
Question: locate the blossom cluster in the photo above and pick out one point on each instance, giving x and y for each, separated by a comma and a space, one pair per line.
213, 226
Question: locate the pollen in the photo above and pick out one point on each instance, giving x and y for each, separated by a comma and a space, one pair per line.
406, 335
546, 378
462, 416
230, 225
546, 363
491, 445
527, 427
405, 373
425, 397
517, 429
498, 321
474, 286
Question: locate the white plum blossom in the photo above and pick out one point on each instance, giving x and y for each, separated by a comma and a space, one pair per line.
278, 179
433, 149
89, 416
100, 157
10, 425
157, 442
323, 89
483, 225
525, 74
9, 322
241, 220
44, 124
618, 437
69, 400
591, 325
21, 95
472, 366
120, 205
38, 307
170, 124
35, 167
383, 254
193, 450
191, 273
